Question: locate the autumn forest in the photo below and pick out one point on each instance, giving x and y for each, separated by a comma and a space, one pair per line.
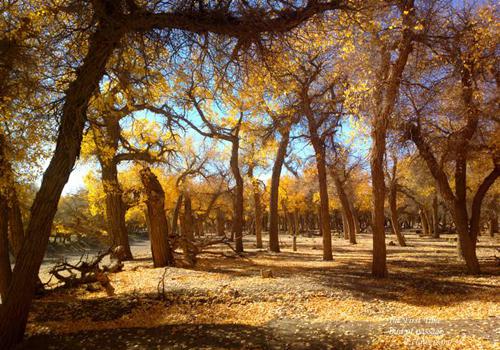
261, 174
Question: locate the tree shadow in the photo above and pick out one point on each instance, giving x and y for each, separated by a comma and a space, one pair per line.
194, 336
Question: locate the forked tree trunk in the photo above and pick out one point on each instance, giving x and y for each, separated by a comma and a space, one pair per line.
14, 313
5, 270
115, 209
157, 220
238, 196
274, 245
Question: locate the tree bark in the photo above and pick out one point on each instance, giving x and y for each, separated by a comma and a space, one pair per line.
175, 216
396, 229
5, 270
16, 225
379, 265
115, 208
220, 223
346, 209
319, 150
238, 196
157, 220
435, 217
257, 208
274, 245
14, 313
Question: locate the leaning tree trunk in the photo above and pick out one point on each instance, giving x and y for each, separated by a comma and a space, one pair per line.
238, 197
274, 244
14, 313
115, 209
319, 150
5, 270
157, 220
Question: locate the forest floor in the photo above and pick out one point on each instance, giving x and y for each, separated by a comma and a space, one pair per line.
224, 303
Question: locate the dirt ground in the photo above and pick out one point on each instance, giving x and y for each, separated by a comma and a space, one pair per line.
224, 302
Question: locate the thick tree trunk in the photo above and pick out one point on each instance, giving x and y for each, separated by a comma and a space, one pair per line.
319, 150
5, 270
238, 196
115, 208
14, 313
274, 244
157, 220
379, 264
466, 245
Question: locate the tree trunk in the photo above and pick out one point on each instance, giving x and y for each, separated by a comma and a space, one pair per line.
466, 245
274, 245
158, 232
16, 226
175, 216
424, 222
238, 196
319, 150
493, 225
345, 224
295, 229
5, 270
188, 225
347, 214
257, 208
220, 223
379, 264
394, 215
115, 208
14, 313
435, 217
